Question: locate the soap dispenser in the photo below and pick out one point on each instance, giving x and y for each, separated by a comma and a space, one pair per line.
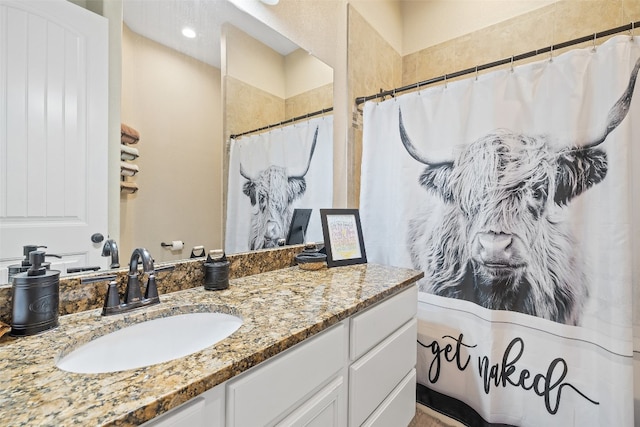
25, 264
36, 297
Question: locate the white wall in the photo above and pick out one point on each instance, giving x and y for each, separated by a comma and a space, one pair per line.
256, 64
305, 72
282, 76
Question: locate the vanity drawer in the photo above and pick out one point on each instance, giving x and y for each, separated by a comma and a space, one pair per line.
374, 376
378, 322
188, 414
288, 379
399, 408
205, 410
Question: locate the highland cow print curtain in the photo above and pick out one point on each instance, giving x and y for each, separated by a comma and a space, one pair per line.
515, 193
271, 174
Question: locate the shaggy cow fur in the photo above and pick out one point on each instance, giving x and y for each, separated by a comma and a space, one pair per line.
271, 194
489, 234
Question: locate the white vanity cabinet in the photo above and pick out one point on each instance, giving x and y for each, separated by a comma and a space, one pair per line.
382, 379
360, 372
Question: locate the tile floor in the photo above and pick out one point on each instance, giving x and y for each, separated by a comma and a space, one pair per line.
423, 419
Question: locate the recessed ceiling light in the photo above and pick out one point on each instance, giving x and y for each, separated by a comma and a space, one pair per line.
188, 33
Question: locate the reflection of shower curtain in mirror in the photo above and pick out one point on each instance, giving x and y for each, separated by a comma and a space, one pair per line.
516, 194
271, 174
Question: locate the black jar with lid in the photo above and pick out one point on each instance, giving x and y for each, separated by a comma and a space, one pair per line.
216, 273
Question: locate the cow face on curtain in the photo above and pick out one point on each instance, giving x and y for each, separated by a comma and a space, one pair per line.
270, 175
497, 245
272, 192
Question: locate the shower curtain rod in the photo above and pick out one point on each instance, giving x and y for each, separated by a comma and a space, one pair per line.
284, 122
629, 27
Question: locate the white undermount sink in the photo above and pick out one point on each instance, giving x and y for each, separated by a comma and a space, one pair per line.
150, 342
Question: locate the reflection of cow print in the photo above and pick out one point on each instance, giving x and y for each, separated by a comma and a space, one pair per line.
272, 193
491, 238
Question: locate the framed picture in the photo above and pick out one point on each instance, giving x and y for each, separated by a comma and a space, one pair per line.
342, 237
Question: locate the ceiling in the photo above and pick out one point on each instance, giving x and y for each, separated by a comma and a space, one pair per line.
162, 21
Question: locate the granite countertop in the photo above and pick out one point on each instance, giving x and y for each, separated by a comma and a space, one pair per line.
279, 309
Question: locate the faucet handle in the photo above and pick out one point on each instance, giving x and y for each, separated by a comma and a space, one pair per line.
133, 292
112, 299
151, 292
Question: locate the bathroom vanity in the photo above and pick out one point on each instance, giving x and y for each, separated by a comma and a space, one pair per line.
328, 347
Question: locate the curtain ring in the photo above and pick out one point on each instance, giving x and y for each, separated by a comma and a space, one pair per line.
476, 73
445, 81
512, 63
594, 42
382, 95
551, 54
631, 31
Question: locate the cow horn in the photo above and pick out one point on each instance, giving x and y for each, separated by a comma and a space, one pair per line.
618, 112
313, 148
244, 174
412, 150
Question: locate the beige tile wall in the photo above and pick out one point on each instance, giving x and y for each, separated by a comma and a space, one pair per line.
309, 102
553, 24
252, 108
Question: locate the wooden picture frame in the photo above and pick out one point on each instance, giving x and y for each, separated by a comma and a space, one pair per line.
343, 239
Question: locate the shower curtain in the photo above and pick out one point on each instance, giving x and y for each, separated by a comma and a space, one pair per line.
516, 193
271, 174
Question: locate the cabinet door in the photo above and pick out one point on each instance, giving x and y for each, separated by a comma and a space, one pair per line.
270, 391
399, 408
53, 122
374, 376
325, 409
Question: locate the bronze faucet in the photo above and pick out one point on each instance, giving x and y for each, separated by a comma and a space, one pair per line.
133, 295
110, 248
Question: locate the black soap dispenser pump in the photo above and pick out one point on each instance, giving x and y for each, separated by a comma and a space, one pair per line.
36, 297
26, 263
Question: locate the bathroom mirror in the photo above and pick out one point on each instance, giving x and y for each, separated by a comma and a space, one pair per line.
291, 95
172, 94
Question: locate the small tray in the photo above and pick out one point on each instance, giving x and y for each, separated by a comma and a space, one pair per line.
311, 260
